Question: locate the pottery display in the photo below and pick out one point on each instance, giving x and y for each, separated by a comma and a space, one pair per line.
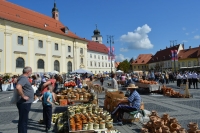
144, 130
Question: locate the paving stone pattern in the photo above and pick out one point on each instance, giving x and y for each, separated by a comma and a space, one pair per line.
7, 117
193, 103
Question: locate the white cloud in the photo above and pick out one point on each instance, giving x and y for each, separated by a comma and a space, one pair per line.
183, 28
138, 39
187, 33
121, 57
123, 49
197, 37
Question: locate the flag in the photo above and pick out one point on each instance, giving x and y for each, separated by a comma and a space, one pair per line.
112, 53
172, 52
175, 55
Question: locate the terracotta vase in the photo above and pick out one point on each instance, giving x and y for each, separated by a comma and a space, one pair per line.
158, 130
165, 116
153, 118
191, 131
193, 126
165, 129
154, 113
197, 131
173, 120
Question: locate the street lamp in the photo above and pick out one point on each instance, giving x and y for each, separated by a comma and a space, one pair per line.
110, 40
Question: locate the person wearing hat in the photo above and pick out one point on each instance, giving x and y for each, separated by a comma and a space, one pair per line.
132, 103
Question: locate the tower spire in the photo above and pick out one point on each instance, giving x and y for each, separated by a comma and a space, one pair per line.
55, 12
96, 26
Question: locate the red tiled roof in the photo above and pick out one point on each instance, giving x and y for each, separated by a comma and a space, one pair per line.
97, 47
164, 54
117, 64
189, 53
142, 59
18, 14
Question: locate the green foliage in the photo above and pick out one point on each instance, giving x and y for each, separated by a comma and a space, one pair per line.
124, 66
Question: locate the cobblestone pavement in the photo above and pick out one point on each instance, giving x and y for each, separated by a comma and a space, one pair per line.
184, 109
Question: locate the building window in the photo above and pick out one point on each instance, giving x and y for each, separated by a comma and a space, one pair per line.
195, 63
102, 64
90, 55
95, 64
106, 64
134, 67
20, 40
40, 64
138, 67
81, 60
183, 64
142, 67
56, 46
90, 63
69, 48
69, 66
99, 64
57, 65
106, 57
96, 38
102, 57
189, 64
98, 57
95, 56
81, 50
40, 43
20, 63
109, 64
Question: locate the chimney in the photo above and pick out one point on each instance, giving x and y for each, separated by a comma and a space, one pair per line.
190, 47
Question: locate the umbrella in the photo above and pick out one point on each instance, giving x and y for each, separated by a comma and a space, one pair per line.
119, 71
54, 72
81, 71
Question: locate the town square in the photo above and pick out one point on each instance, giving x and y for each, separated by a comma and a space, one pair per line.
99, 66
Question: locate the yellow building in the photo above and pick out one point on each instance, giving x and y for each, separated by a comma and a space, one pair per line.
28, 38
189, 57
141, 63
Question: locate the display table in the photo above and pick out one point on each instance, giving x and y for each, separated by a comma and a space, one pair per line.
5, 87
152, 87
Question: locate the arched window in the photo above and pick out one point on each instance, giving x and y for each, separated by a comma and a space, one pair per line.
20, 63
81, 60
57, 65
69, 66
40, 64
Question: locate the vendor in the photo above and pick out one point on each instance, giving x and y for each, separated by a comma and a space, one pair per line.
132, 103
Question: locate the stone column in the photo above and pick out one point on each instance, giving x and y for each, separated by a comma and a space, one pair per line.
8, 53
63, 59
48, 63
31, 53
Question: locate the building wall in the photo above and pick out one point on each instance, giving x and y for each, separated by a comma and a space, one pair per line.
140, 67
189, 62
103, 61
30, 51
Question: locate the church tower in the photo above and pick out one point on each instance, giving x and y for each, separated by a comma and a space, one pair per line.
55, 13
97, 37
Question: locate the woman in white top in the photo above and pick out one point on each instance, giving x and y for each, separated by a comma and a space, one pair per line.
114, 84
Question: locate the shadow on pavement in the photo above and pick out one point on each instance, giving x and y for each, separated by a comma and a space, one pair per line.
37, 110
34, 125
14, 121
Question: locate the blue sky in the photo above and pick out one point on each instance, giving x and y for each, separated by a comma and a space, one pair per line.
138, 26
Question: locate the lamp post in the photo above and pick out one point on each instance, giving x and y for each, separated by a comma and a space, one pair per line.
110, 40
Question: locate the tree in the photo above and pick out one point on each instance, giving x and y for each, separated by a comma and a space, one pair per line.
124, 66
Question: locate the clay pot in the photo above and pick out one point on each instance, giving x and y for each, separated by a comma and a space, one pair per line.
144, 130
154, 113
191, 131
102, 125
158, 130
96, 126
174, 127
193, 126
90, 126
173, 120
153, 118
158, 123
197, 131
165, 116
85, 126
181, 130
165, 129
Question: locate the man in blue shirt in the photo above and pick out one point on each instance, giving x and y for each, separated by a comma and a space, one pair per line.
132, 103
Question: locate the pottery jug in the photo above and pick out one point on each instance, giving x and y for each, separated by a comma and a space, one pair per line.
153, 118
154, 113
173, 120
191, 131
96, 126
174, 127
85, 126
90, 126
165, 129
102, 125
165, 116
193, 126
109, 125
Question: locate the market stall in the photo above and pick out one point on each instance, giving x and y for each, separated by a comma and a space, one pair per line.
150, 85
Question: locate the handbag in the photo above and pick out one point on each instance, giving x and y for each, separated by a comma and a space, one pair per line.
15, 97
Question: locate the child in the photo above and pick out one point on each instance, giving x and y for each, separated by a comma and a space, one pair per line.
48, 103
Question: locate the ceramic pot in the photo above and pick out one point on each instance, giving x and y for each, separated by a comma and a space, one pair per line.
153, 118
85, 126
193, 126
191, 131
96, 126
165, 129
159, 123
174, 127
154, 113
90, 126
144, 130
181, 130
165, 116
109, 125
102, 125
197, 131
158, 130
173, 120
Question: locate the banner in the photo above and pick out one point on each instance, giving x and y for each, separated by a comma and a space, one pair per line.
108, 53
172, 52
112, 53
176, 55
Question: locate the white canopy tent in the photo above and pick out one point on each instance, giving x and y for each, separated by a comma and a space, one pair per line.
81, 71
119, 71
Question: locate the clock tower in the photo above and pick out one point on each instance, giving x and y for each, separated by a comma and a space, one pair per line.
97, 37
